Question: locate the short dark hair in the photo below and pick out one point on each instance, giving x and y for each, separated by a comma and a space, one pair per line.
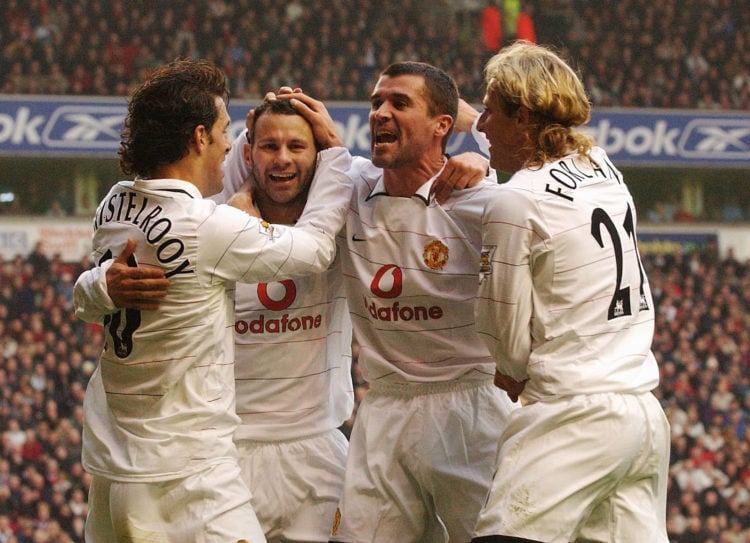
441, 90
279, 106
164, 111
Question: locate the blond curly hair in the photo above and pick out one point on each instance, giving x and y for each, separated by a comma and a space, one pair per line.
536, 78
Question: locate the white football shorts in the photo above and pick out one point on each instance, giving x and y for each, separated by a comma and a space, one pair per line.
212, 506
587, 467
421, 458
296, 484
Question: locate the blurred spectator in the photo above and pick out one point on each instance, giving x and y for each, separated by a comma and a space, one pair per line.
732, 212
694, 56
56, 210
492, 27
511, 11
660, 213
525, 23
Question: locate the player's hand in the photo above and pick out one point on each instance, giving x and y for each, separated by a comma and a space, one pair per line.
511, 386
461, 171
243, 199
140, 287
323, 127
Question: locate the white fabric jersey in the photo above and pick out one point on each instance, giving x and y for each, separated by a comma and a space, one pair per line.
410, 267
169, 374
293, 357
559, 252
292, 346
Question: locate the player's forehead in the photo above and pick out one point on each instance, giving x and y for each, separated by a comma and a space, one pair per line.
408, 86
275, 126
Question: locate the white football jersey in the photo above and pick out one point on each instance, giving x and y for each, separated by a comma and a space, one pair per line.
169, 374
293, 345
293, 357
410, 268
563, 298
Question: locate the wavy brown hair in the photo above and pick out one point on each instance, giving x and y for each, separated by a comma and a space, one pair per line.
164, 111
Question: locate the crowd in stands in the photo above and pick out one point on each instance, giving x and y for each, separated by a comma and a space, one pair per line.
46, 357
631, 53
702, 342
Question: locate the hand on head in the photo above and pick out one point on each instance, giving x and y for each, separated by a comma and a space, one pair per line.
323, 126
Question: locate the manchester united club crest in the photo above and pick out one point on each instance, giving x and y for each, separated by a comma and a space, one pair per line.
435, 255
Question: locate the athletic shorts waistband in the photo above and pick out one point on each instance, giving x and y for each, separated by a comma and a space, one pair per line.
391, 388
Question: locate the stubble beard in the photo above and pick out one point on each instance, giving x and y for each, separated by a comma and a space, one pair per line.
391, 159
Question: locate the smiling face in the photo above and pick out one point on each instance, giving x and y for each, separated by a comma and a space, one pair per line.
282, 158
401, 127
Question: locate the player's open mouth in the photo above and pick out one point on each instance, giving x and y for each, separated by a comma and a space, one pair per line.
384, 137
281, 178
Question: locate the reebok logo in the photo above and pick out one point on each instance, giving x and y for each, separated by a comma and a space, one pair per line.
84, 127
715, 138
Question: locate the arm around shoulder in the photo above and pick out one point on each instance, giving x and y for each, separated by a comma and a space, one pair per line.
330, 192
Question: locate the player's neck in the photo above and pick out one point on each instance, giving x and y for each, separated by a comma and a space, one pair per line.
405, 181
276, 213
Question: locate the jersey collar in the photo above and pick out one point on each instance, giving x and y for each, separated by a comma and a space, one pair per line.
423, 193
169, 185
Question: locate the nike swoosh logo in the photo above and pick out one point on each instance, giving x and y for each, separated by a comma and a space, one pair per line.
355, 238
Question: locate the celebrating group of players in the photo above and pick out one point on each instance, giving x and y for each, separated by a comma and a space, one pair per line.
509, 395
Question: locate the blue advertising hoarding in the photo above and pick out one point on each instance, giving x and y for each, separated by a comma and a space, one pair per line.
89, 127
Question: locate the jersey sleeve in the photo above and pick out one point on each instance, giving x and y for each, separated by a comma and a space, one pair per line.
258, 251
504, 301
90, 299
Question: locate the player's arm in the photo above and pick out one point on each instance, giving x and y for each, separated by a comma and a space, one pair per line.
255, 251
467, 120
504, 305
461, 171
262, 252
467, 169
115, 285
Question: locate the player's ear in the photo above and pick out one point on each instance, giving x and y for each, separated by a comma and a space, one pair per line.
247, 155
200, 138
443, 125
523, 116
